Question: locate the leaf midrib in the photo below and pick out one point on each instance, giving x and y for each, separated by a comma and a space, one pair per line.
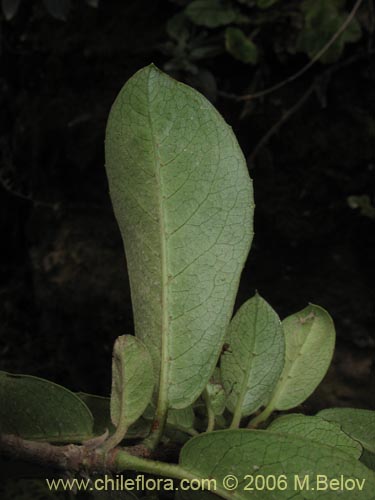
164, 359
285, 378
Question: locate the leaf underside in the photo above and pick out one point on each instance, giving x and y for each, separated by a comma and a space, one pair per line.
318, 430
359, 424
183, 200
252, 364
309, 345
132, 380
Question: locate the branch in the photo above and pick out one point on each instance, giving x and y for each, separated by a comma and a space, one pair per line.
69, 457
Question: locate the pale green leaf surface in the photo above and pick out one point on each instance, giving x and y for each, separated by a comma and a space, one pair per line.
183, 200
318, 430
242, 452
36, 409
359, 424
132, 380
252, 364
309, 345
211, 13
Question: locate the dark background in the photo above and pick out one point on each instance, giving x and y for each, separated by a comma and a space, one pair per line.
64, 293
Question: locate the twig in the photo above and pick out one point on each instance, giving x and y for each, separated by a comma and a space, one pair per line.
290, 112
69, 457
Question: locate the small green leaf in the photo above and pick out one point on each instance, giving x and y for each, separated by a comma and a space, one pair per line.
322, 20
10, 8
36, 409
309, 346
319, 430
132, 380
216, 393
281, 457
211, 13
240, 46
254, 359
265, 4
359, 424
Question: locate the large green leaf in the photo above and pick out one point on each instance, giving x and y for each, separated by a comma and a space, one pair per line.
36, 409
211, 13
183, 200
284, 461
359, 424
309, 345
132, 380
254, 359
317, 429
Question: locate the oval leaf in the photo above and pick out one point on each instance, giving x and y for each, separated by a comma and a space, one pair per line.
39, 410
318, 430
10, 8
309, 345
211, 13
254, 359
291, 460
132, 380
359, 424
240, 46
183, 200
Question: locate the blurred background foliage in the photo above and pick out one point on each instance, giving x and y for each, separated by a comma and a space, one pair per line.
306, 125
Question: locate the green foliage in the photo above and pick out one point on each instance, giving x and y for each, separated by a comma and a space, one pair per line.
241, 29
183, 201
322, 20
245, 453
